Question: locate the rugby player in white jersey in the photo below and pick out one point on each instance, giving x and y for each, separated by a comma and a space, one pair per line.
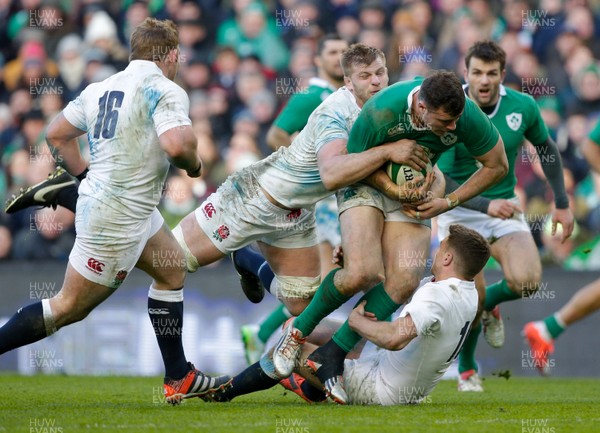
136, 123
272, 201
420, 345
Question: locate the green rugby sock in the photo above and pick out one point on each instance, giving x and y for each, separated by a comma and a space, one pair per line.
326, 300
378, 303
498, 293
553, 326
273, 321
466, 358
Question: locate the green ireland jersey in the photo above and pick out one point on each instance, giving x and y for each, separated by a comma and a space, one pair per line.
386, 118
294, 115
594, 135
517, 117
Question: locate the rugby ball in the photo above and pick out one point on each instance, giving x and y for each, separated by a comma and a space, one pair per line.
406, 176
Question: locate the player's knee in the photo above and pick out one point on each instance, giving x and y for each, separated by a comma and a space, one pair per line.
526, 282
401, 289
189, 260
359, 278
296, 306
295, 292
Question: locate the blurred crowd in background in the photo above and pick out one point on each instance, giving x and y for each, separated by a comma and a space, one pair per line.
240, 62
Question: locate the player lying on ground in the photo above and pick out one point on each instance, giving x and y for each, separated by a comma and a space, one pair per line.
420, 345
380, 240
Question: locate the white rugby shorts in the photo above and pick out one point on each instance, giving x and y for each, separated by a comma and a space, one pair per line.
489, 227
239, 213
363, 195
106, 247
360, 379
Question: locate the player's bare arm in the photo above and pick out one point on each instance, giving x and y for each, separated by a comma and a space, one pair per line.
61, 138
388, 335
494, 167
181, 146
338, 168
277, 137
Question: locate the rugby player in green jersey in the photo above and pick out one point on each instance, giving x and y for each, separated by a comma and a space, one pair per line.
291, 120
541, 334
517, 118
435, 113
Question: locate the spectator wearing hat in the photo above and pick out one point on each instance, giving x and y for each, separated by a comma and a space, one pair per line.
31, 62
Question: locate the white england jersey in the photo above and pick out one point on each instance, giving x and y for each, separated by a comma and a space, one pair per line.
123, 116
291, 175
442, 312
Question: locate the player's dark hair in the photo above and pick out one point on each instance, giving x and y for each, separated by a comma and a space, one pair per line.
153, 40
324, 39
360, 54
471, 250
488, 51
443, 90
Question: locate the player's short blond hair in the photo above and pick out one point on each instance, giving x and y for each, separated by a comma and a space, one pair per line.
153, 40
359, 54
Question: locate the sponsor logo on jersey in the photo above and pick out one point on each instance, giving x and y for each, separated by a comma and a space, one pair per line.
221, 233
158, 311
448, 139
119, 278
398, 129
294, 215
513, 120
209, 210
95, 266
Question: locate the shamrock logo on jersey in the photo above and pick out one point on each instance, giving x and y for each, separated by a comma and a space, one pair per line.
449, 139
513, 120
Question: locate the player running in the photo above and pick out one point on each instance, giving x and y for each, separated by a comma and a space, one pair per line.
136, 122
517, 117
377, 237
292, 119
540, 335
420, 345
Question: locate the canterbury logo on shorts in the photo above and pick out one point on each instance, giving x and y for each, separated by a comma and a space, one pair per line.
95, 265
158, 311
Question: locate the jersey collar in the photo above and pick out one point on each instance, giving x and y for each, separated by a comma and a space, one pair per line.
409, 102
502, 93
319, 82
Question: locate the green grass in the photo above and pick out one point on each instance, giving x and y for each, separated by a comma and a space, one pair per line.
58, 404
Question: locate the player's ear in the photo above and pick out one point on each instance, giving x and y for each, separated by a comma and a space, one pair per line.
348, 82
448, 258
466, 74
502, 75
